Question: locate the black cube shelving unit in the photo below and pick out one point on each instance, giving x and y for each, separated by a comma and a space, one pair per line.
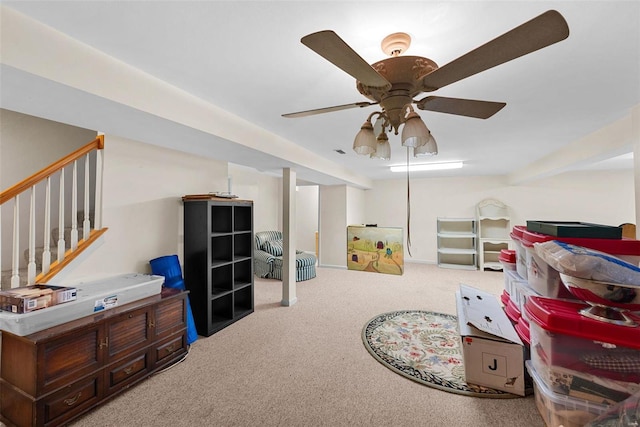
218, 260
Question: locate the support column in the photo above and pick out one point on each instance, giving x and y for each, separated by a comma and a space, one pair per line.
289, 237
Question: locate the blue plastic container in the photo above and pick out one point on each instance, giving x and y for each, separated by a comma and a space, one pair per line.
169, 267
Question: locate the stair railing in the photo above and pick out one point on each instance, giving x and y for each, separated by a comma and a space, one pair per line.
41, 269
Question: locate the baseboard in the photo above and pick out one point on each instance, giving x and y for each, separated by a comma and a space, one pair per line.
342, 267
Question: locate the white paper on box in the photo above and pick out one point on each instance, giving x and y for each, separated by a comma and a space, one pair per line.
493, 352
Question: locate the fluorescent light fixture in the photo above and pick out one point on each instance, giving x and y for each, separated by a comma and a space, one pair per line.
427, 167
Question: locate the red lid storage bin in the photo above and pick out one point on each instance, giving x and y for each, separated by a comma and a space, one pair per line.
507, 258
546, 280
504, 297
512, 312
561, 336
521, 256
522, 328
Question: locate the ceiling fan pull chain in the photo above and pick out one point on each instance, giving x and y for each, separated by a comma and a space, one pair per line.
408, 208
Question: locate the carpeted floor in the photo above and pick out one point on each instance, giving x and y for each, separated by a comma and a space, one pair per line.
305, 365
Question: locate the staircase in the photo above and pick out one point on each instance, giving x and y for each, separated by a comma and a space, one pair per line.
32, 250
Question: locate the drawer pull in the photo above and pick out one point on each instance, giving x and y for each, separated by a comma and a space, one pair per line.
128, 370
152, 324
170, 348
73, 400
105, 343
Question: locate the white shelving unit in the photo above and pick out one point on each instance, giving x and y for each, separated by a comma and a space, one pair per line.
457, 243
493, 233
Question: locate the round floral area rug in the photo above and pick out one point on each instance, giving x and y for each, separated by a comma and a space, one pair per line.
424, 347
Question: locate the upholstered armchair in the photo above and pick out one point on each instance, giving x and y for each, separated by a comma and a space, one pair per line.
267, 255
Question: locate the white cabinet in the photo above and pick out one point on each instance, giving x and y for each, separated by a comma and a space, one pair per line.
493, 233
457, 243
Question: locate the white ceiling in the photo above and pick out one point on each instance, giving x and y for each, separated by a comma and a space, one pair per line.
246, 57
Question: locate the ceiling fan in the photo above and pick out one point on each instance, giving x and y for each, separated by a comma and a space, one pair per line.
393, 83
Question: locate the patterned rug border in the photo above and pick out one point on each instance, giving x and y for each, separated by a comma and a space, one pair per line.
416, 375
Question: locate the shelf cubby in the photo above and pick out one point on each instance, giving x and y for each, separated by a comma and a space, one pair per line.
457, 243
242, 245
242, 218
493, 231
242, 272
221, 219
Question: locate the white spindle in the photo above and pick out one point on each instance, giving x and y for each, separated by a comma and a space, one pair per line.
46, 254
86, 224
31, 265
74, 206
61, 219
15, 260
97, 221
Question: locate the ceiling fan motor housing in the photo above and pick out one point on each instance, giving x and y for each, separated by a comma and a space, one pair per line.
405, 74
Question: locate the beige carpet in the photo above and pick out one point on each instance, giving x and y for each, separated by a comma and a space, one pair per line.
306, 365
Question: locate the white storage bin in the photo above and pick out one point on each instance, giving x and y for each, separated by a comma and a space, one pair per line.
559, 410
91, 297
521, 256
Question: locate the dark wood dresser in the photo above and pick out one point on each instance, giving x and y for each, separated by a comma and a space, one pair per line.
53, 376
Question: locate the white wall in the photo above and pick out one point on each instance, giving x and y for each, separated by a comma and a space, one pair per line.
264, 190
340, 206
356, 212
333, 226
28, 144
143, 186
306, 217
604, 197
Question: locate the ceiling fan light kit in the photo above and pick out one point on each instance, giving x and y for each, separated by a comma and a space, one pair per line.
414, 133
383, 148
393, 83
428, 149
365, 142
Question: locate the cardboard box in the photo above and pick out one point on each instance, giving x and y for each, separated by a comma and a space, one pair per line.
35, 297
493, 352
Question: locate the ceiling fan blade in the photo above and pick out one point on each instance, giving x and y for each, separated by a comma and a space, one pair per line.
542, 31
329, 109
332, 48
460, 107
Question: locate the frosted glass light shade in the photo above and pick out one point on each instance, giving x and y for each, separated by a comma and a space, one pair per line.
383, 148
365, 142
414, 133
428, 149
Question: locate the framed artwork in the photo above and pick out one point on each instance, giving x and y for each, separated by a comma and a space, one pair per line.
375, 249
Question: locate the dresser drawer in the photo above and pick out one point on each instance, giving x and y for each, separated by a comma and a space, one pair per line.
71, 400
122, 374
170, 349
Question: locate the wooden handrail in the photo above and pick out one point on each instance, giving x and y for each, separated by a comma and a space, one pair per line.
11, 192
70, 255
